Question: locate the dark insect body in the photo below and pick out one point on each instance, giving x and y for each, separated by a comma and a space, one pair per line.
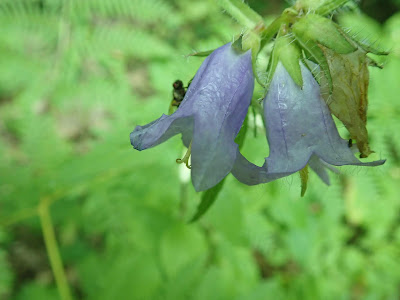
178, 93
350, 144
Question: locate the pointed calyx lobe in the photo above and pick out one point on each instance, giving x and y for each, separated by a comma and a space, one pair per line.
300, 131
210, 116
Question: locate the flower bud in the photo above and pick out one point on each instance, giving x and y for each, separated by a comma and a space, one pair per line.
323, 31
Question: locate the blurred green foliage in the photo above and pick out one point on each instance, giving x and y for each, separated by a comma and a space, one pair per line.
77, 76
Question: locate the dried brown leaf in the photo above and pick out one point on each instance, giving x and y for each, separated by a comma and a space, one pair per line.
349, 98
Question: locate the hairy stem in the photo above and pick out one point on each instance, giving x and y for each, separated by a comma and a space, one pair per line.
330, 6
241, 12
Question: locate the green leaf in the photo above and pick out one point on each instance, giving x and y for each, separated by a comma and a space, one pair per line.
207, 199
322, 30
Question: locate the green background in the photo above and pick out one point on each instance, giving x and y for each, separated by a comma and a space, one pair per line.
77, 76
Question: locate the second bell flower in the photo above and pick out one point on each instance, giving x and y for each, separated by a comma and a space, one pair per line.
300, 131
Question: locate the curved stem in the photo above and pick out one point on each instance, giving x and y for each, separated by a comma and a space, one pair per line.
53, 250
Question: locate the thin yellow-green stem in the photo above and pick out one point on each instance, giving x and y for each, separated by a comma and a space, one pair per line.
288, 16
53, 250
271, 30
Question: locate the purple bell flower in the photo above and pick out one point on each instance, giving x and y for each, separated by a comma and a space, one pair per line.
300, 131
209, 117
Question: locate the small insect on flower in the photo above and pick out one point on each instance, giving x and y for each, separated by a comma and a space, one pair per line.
350, 143
178, 93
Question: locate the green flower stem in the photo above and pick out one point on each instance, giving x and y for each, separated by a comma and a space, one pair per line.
271, 30
288, 16
241, 12
52, 249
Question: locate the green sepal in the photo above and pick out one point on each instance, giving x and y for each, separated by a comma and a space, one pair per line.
254, 53
252, 41
373, 63
322, 30
289, 54
209, 196
288, 16
327, 7
304, 180
237, 45
272, 63
358, 42
312, 49
201, 53
370, 49
321, 7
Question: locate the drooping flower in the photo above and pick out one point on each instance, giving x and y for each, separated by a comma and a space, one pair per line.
209, 117
300, 131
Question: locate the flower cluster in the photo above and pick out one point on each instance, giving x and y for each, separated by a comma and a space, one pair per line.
299, 126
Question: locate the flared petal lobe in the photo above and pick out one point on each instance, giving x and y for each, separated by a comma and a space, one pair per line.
160, 130
210, 116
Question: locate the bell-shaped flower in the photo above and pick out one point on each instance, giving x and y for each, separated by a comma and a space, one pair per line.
300, 131
209, 117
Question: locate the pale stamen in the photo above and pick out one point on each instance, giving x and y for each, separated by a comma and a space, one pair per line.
185, 159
